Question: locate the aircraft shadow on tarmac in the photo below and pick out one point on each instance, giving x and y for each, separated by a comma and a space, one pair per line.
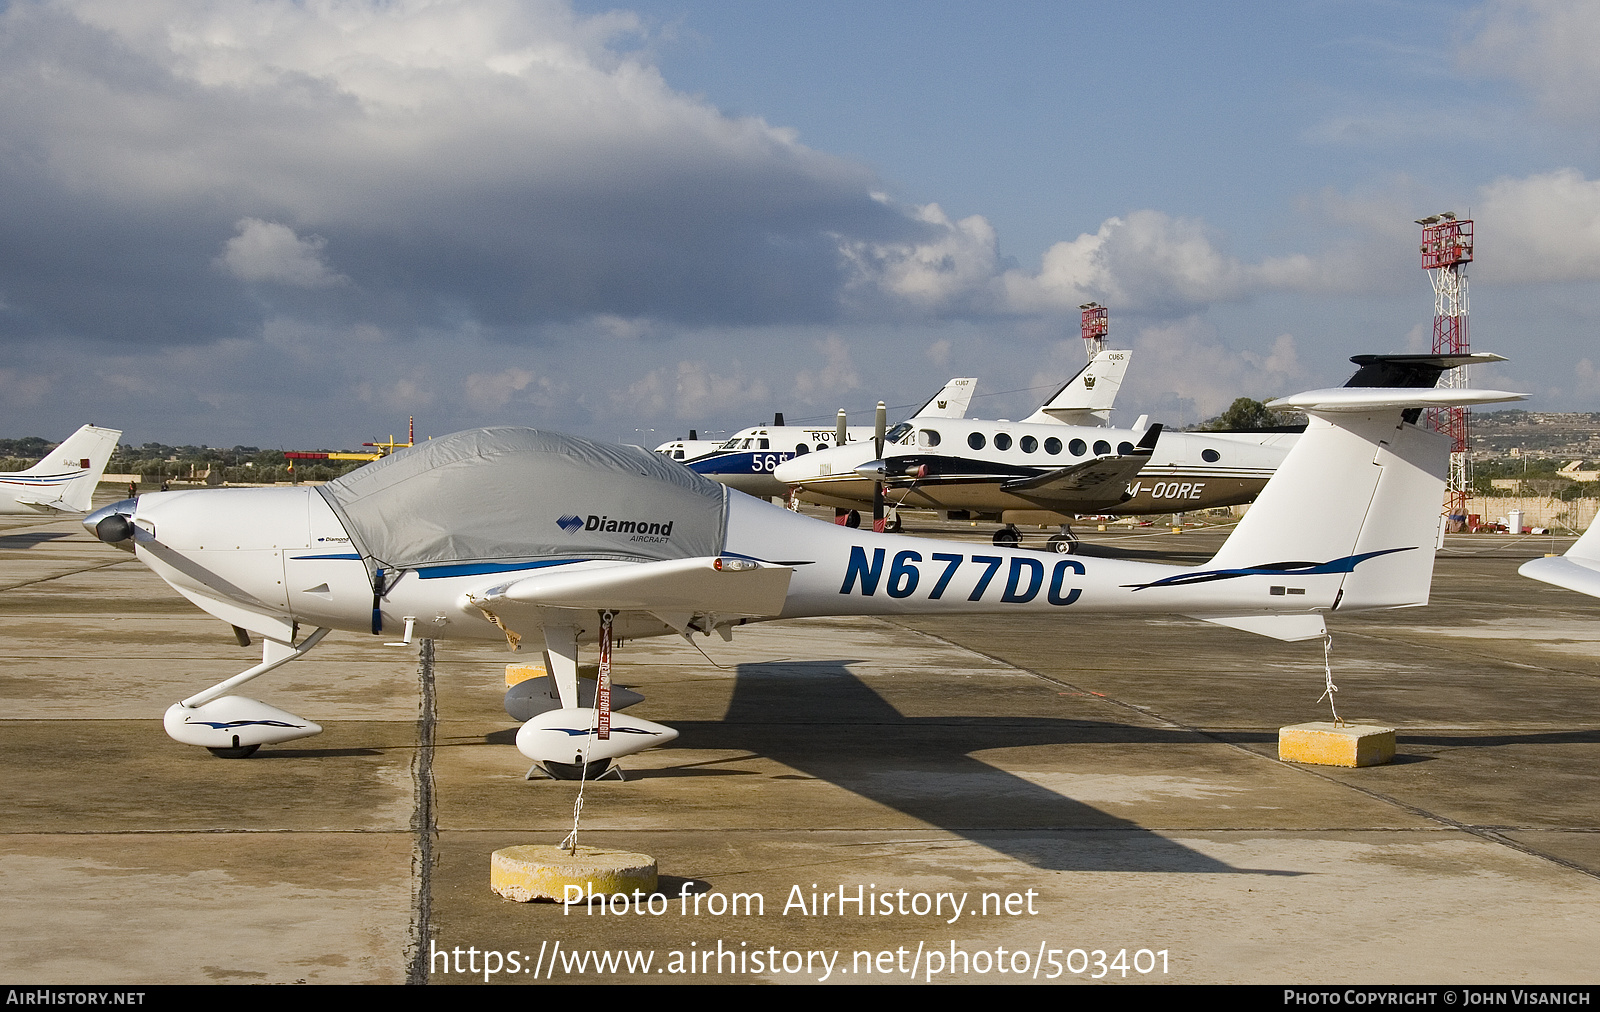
822, 721
17, 542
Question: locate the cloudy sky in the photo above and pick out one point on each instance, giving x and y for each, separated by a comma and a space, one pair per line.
294, 224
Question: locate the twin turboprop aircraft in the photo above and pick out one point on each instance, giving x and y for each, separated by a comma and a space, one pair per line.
534, 536
746, 461
64, 481
1030, 473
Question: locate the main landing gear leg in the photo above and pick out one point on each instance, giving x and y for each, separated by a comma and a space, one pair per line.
557, 740
233, 727
1064, 543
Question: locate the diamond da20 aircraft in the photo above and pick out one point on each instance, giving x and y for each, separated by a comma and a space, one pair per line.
534, 536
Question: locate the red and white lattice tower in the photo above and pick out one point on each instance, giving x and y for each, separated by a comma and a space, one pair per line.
1096, 325
1446, 251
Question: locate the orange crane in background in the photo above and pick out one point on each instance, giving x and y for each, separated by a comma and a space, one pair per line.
384, 449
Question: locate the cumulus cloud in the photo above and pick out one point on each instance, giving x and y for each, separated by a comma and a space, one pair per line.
1548, 46
1540, 228
1183, 371
1146, 261
502, 162
836, 374
268, 251
691, 391
491, 391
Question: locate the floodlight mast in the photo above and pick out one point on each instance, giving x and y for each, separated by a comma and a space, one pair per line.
1096, 325
1446, 251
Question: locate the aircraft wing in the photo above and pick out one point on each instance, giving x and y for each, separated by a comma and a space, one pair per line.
1104, 479
724, 586
1093, 482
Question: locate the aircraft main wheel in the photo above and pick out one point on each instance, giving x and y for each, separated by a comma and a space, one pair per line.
854, 519
239, 752
1063, 544
1007, 537
575, 771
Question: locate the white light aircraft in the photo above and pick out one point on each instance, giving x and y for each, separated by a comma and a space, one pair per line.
1031, 473
64, 481
535, 536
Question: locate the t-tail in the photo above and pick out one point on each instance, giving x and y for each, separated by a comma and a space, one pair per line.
1359, 495
1087, 398
951, 401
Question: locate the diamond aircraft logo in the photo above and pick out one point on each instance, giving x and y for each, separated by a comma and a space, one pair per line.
570, 523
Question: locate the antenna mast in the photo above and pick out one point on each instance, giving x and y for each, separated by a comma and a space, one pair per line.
1446, 251
1096, 325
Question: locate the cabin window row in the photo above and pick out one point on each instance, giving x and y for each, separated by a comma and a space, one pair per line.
1029, 444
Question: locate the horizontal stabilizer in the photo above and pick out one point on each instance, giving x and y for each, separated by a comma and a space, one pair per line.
1378, 398
1287, 627
43, 504
725, 586
1412, 370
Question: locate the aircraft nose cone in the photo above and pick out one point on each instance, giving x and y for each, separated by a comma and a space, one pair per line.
113, 524
794, 471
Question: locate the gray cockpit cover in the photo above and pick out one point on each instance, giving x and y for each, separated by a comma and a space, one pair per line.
511, 495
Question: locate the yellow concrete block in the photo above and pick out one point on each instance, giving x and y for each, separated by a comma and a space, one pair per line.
537, 872
1325, 743
518, 673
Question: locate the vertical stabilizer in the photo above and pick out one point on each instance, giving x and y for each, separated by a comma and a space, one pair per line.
1360, 494
65, 479
1087, 398
951, 401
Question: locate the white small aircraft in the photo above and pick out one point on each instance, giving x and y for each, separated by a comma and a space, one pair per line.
64, 481
1031, 473
528, 535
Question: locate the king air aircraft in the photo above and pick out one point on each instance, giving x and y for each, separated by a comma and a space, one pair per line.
1039, 471
544, 539
64, 481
